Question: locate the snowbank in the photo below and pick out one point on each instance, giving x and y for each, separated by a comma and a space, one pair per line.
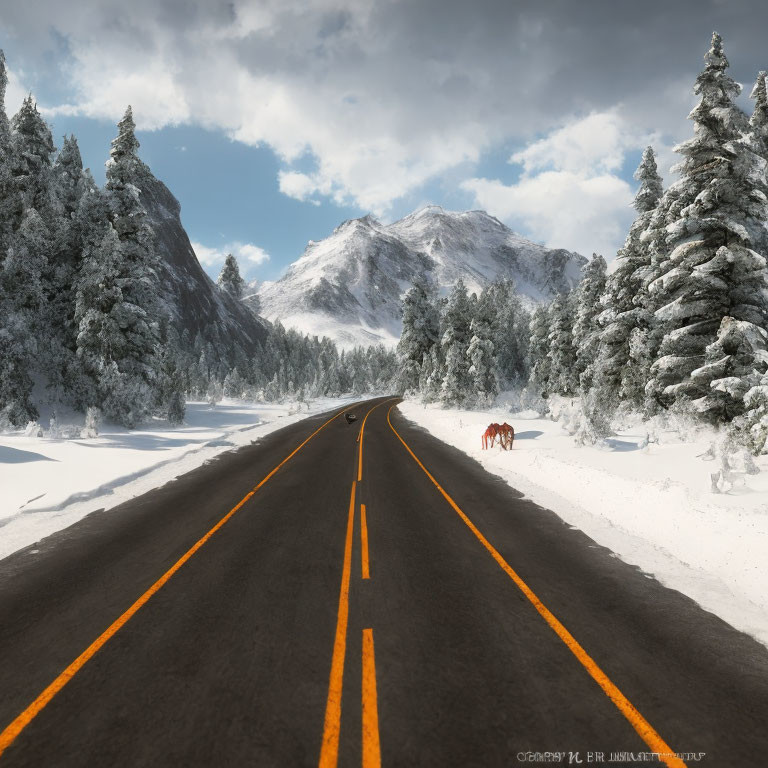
48, 484
651, 504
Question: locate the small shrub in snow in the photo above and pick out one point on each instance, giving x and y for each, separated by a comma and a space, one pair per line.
33, 429
53, 428
215, 393
566, 411
735, 461
594, 424
92, 421
58, 431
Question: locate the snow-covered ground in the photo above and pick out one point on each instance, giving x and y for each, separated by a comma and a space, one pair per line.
652, 505
48, 484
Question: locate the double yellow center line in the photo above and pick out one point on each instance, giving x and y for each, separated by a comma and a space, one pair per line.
329, 750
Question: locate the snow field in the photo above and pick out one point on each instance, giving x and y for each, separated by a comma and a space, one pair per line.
652, 505
48, 484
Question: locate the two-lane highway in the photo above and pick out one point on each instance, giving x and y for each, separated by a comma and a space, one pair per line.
358, 594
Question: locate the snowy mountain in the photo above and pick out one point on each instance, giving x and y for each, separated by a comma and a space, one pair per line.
195, 302
349, 285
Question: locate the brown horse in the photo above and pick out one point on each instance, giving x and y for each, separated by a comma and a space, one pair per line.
504, 432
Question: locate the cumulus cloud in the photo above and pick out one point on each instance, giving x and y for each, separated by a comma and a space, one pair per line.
593, 144
561, 209
386, 95
568, 194
247, 255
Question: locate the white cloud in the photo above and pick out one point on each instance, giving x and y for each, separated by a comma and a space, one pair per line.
247, 255
383, 96
567, 195
562, 209
252, 253
595, 143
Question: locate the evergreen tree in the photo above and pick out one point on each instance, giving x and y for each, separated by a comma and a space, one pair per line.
622, 360
712, 271
24, 315
509, 323
539, 384
70, 182
563, 378
758, 123
419, 334
483, 372
234, 386
751, 428
757, 137
431, 377
171, 385
10, 206
586, 329
229, 278
138, 282
456, 385
100, 339
33, 154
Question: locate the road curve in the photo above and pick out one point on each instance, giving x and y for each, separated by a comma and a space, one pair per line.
372, 598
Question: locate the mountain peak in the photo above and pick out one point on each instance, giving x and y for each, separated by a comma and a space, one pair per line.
369, 221
350, 285
430, 210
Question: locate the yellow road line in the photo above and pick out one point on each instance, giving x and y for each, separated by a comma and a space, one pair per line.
12, 730
329, 752
638, 722
364, 543
360, 438
371, 744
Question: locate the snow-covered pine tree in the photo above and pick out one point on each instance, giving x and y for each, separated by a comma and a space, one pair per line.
70, 182
24, 315
229, 278
510, 332
431, 377
10, 333
100, 339
33, 153
586, 328
10, 205
625, 320
758, 122
757, 137
734, 363
712, 270
539, 386
171, 388
751, 428
234, 384
482, 371
419, 334
139, 310
456, 386
563, 378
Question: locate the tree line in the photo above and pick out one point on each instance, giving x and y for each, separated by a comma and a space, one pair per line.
680, 323
83, 320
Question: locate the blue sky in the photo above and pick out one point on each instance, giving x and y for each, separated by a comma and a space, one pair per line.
274, 120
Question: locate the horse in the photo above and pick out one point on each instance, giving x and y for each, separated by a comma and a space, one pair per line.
504, 432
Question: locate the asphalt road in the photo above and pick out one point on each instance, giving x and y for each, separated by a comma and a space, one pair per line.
456, 627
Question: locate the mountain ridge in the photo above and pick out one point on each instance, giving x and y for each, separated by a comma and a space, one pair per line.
194, 301
349, 285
